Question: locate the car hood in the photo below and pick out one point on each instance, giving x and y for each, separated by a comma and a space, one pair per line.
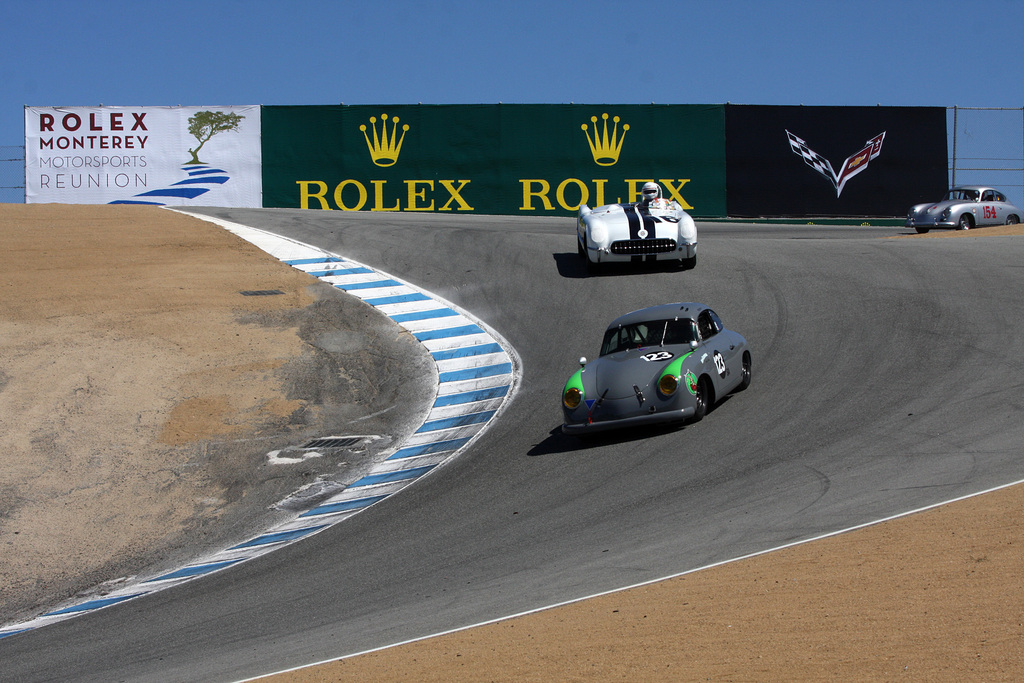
938, 207
624, 221
619, 372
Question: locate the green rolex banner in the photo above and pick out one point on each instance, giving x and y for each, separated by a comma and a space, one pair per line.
506, 159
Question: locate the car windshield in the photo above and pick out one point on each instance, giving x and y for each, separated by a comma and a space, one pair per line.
647, 333
963, 195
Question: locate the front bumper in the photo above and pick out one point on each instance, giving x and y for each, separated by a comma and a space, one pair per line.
660, 417
605, 254
927, 222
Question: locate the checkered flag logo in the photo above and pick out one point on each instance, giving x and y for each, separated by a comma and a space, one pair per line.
853, 165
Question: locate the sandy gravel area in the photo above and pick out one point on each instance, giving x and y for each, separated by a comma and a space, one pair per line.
140, 393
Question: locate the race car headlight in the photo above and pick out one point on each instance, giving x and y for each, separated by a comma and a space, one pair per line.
598, 232
668, 384
572, 397
945, 214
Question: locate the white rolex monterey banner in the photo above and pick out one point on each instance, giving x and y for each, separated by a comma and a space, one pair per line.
198, 156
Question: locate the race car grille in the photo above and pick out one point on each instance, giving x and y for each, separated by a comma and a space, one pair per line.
643, 246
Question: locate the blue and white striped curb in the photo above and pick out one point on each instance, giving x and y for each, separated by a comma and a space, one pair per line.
477, 375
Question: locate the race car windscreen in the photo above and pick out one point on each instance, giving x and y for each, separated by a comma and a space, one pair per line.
963, 195
648, 333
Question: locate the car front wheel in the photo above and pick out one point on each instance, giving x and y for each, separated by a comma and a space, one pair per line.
702, 398
965, 222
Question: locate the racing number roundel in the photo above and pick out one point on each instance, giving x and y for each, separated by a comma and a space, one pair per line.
720, 364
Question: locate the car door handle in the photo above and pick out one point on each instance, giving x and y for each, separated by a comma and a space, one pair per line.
732, 347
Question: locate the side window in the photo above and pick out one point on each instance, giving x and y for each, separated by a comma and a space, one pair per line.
706, 325
999, 197
716, 321
988, 196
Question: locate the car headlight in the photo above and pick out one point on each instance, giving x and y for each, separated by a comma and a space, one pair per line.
572, 398
945, 214
668, 384
598, 232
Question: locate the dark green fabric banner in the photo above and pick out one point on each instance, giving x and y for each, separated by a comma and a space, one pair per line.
512, 159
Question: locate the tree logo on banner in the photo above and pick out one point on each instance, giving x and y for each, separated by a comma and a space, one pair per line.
853, 165
205, 124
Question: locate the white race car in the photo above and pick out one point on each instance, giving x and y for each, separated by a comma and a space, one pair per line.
653, 229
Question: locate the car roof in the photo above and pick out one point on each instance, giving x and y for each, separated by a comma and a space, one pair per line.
972, 187
661, 312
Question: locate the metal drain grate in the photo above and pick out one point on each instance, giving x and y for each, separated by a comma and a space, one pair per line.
261, 292
334, 442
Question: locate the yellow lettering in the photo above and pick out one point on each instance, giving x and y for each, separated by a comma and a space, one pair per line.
362, 195
415, 194
560, 193
528, 192
600, 191
455, 196
305, 195
674, 191
634, 192
378, 194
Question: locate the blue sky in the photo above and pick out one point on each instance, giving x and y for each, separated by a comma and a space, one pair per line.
229, 52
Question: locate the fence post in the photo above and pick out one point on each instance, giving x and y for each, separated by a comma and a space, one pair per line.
953, 183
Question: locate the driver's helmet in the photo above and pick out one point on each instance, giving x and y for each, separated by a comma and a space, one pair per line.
651, 191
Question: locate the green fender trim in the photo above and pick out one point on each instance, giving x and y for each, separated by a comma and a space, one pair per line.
675, 369
576, 381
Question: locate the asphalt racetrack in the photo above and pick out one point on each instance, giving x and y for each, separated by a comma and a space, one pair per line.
886, 377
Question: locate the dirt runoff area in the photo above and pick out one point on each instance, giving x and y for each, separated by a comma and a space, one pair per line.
140, 393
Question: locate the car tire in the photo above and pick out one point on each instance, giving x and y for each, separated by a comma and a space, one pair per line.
579, 248
689, 263
745, 371
921, 229
1012, 219
702, 399
965, 222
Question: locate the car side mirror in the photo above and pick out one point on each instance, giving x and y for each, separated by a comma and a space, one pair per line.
583, 361
693, 344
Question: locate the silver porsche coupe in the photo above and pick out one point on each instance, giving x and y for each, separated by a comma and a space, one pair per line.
666, 363
966, 207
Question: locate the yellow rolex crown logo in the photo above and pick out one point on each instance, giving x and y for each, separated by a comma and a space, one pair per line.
384, 150
604, 148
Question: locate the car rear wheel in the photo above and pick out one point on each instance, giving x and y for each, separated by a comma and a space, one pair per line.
745, 381
702, 398
1012, 219
921, 229
965, 222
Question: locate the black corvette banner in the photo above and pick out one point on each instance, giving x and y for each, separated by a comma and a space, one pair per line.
833, 161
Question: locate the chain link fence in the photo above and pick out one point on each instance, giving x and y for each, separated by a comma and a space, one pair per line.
985, 147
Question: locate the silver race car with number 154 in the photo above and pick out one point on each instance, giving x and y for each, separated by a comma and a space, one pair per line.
652, 229
661, 364
965, 207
